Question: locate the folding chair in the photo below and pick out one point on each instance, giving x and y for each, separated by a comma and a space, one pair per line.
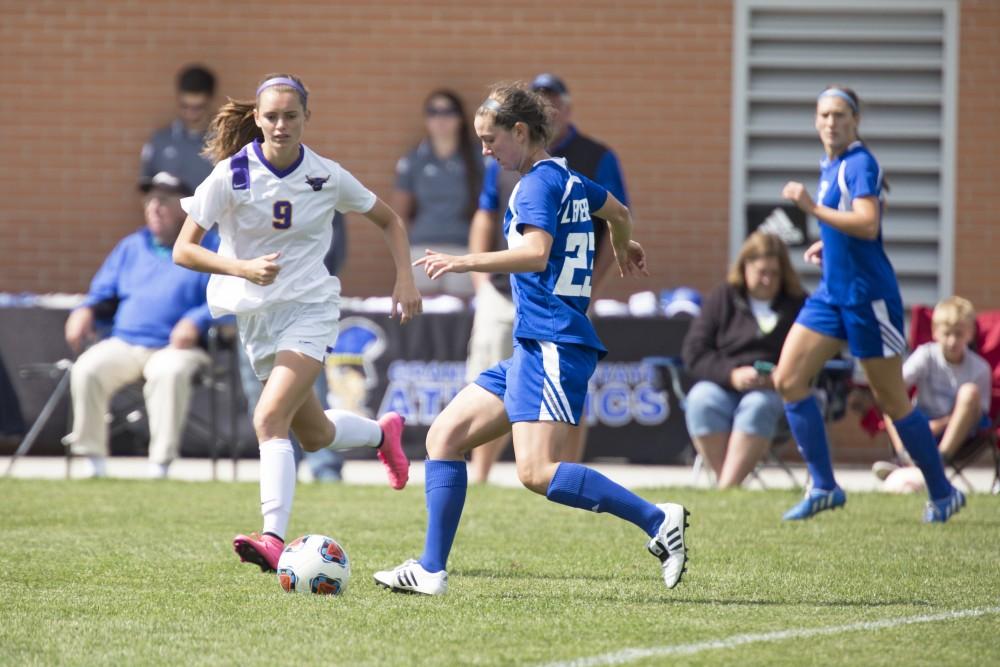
832, 387
987, 345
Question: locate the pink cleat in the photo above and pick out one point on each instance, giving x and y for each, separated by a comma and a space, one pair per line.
391, 453
261, 550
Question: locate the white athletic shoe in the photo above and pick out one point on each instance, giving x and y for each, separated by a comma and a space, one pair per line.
668, 543
411, 577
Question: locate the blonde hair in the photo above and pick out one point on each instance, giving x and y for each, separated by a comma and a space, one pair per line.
953, 310
233, 126
759, 245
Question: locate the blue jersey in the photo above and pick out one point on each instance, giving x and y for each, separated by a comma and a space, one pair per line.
855, 270
552, 305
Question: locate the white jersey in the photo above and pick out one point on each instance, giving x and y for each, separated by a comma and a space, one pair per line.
262, 210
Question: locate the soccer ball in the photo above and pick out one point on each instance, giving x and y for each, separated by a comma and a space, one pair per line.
314, 564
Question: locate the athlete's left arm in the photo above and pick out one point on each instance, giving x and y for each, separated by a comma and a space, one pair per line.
405, 292
629, 255
861, 221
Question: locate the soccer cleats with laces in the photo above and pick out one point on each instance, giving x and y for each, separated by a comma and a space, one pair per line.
668, 544
816, 501
391, 453
411, 577
261, 550
939, 511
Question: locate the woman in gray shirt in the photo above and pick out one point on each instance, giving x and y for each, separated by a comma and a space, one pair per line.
437, 187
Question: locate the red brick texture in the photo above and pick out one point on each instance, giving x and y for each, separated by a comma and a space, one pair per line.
87, 81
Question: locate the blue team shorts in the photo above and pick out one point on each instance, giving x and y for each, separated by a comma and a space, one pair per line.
542, 381
873, 329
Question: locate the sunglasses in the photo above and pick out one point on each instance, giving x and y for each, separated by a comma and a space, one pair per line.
440, 111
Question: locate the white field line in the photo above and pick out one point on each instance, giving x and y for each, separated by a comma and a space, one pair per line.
632, 654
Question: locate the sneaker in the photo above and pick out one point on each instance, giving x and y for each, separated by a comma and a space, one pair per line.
939, 511
668, 543
816, 501
263, 551
391, 453
882, 469
411, 577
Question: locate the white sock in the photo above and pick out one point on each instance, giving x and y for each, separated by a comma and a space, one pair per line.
98, 466
277, 484
353, 430
158, 470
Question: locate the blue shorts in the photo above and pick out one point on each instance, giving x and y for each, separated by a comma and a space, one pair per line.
542, 381
871, 330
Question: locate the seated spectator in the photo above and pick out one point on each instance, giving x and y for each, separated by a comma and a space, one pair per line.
160, 315
176, 149
953, 388
733, 411
437, 188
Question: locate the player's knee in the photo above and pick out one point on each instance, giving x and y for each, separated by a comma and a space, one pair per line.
968, 394
787, 383
534, 476
441, 439
269, 423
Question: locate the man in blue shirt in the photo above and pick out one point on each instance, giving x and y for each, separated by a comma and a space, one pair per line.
160, 313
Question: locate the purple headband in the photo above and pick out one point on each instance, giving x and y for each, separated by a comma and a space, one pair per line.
283, 81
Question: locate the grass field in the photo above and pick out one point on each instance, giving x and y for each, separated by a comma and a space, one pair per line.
133, 573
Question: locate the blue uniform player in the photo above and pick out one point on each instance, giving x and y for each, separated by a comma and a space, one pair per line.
857, 301
538, 393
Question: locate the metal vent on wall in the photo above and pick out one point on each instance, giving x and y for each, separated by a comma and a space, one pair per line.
900, 57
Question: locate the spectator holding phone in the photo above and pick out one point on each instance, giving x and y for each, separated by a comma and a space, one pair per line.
733, 411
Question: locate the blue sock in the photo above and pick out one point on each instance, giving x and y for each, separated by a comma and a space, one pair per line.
579, 486
806, 424
445, 484
916, 435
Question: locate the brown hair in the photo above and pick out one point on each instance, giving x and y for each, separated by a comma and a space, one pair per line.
468, 149
233, 126
514, 103
759, 245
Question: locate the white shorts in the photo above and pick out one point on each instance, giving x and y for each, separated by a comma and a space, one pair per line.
308, 328
492, 338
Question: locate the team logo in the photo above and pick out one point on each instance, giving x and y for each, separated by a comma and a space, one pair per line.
332, 553
315, 182
350, 364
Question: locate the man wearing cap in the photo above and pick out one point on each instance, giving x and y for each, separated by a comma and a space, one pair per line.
160, 313
491, 339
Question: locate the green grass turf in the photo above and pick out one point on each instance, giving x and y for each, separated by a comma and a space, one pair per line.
129, 573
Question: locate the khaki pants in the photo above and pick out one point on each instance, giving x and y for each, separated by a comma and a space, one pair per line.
110, 365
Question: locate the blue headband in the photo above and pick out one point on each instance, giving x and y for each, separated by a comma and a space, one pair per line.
837, 92
283, 81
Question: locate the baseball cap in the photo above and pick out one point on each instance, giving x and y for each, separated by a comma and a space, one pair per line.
549, 83
167, 182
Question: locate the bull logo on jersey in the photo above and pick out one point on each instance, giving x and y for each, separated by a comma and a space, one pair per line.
350, 364
316, 182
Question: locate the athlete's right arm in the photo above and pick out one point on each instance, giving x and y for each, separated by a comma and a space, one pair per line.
189, 253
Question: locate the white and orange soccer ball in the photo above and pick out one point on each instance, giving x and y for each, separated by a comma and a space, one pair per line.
314, 564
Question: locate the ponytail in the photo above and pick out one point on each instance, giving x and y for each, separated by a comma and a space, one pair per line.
232, 128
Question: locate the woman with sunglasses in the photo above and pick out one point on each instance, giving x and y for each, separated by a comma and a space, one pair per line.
437, 187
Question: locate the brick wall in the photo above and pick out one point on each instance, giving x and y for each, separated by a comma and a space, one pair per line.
977, 215
87, 81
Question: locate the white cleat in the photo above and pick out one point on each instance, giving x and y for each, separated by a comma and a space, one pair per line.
668, 543
411, 577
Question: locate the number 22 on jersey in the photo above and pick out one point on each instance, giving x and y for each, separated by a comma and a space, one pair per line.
282, 214
579, 245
